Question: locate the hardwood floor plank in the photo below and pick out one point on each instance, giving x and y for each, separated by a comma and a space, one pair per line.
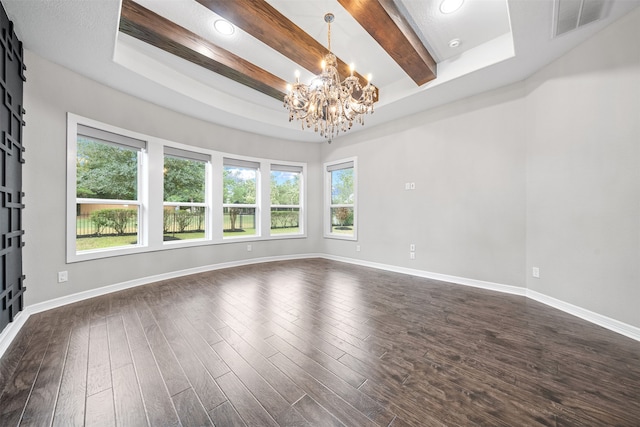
202, 349
226, 415
344, 372
326, 397
276, 379
269, 398
129, 408
99, 369
245, 403
158, 405
70, 406
315, 414
119, 351
100, 409
174, 378
42, 400
17, 390
190, 410
200, 379
373, 410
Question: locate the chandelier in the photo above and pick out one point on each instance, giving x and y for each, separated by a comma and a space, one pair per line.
328, 104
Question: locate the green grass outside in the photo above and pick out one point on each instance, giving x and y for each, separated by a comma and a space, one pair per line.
103, 242
89, 243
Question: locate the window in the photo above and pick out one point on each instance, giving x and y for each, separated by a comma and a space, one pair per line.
286, 196
186, 213
340, 199
240, 202
107, 190
132, 193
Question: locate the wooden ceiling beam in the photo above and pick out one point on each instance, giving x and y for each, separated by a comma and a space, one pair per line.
152, 28
385, 23
264, 22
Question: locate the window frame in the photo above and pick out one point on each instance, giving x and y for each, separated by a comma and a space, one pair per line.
113, 135
151, 195
244, 163
301, 169
328, 167
183, 154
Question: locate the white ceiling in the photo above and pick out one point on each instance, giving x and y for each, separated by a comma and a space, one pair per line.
501, 42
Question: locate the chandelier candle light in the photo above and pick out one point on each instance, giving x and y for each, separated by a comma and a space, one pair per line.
328, 104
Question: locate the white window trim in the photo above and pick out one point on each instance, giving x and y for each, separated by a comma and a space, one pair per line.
190, 154
151, 195
302, 216
327, 200
244, 163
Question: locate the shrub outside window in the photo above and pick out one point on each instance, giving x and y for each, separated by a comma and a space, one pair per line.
286, 194
185, 214
108, 201
340, 194
240, 202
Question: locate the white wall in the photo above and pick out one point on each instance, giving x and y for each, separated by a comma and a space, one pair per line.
583, 174
50, 92
541, 173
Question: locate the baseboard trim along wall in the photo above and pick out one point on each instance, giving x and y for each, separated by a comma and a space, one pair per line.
12, 330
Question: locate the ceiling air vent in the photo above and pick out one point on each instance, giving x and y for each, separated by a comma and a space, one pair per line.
572, 14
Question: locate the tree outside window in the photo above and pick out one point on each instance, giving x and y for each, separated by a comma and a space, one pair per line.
107, 199
185, 211
341, 197
285, 199
239, 198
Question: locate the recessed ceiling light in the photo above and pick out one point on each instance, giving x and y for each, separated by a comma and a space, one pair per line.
450, 6
224, 27
454, 43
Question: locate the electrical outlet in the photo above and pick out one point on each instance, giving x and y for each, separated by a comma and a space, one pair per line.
535, 272
249, 248
407, 186
412, 247
63, 276
412, 255
357, 248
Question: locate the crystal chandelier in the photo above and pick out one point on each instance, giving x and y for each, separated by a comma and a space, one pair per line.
329, 105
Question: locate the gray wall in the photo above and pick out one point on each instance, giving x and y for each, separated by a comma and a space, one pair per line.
466, 215
583, 174
541, 173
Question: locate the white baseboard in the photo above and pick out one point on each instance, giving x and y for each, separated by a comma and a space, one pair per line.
507, 289
11, 331
590, 316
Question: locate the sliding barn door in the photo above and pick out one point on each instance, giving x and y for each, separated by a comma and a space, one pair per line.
12, 79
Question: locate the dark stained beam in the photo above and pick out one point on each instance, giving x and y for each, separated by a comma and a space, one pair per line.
152, 28
384, 22
262, 21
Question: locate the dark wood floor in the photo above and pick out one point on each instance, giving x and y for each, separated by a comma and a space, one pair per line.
316, 342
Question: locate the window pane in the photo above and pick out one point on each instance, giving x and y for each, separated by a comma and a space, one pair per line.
106, 171
342, 221
285, 220
184, 180
184, 222
239, 222
100, 226
342, 187
239, 185
285, 188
